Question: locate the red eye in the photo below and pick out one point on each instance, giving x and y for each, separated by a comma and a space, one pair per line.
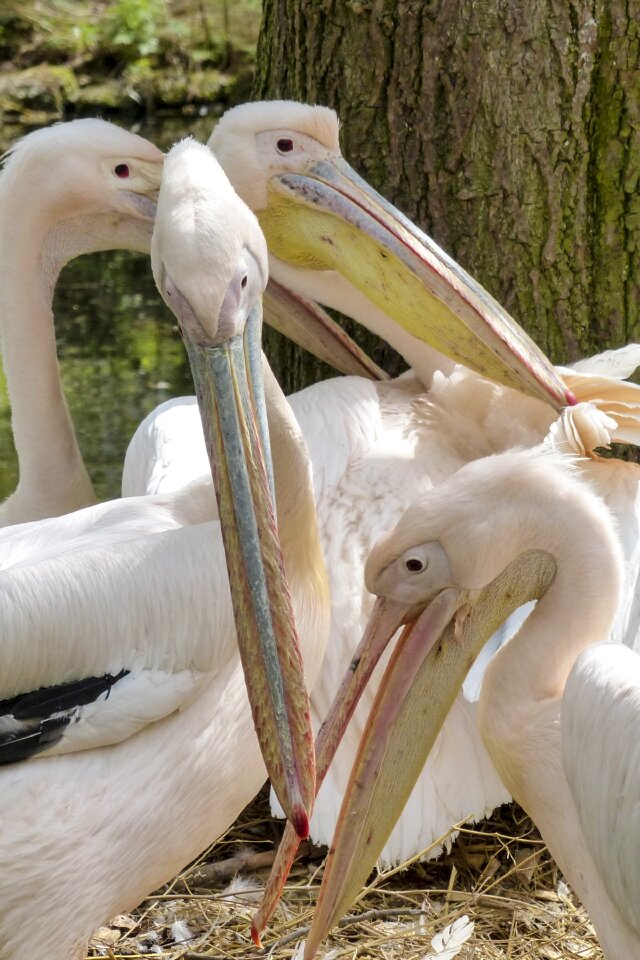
121, 170
285, 145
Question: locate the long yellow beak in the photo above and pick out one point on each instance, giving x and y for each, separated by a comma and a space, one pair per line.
228, 379
329, 218
422, 679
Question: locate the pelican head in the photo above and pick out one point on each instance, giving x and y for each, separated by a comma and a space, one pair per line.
321, 220
92, 169
215, 304
209, 261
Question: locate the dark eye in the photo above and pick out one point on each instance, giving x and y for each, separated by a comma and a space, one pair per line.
285, 145
243, 282
121, 170
414, 565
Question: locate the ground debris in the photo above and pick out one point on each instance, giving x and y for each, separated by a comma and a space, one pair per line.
498, 874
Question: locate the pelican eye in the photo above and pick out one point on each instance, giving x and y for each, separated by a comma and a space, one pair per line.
415, 564
285, 145
121, 170
243, 282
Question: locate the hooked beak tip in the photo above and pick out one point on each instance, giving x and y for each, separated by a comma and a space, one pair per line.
300, 821
255, 936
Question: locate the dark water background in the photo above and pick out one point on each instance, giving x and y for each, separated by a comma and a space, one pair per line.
119, 350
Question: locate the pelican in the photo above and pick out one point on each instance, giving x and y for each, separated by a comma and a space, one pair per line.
126, 738
69, 189
386, 443
559, 709
333, 239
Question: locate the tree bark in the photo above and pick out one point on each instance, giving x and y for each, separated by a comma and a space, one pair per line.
510, 131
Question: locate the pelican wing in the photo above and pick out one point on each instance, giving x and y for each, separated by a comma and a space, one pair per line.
104, 631
601, 756
618, 364
32, 722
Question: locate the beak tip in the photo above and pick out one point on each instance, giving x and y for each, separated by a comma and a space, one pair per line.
255, 935
300, 821
570, 398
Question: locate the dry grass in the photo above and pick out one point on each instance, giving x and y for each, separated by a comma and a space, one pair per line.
498, 873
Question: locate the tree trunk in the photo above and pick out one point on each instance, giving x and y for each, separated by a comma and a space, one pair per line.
509, 131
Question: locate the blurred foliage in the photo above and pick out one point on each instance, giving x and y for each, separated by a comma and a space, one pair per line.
119, 53
135, 28
124, 31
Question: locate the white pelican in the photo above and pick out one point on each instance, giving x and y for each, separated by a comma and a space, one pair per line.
126, 734
333, 239
69, 189
386, 444
559, 709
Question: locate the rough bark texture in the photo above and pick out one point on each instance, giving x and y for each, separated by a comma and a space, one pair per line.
510, 131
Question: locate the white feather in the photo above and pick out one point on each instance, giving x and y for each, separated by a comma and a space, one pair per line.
449, 942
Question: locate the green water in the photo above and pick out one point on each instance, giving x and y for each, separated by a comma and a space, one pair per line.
120, 355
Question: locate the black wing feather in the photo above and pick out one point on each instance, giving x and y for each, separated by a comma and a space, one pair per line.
21, 746
40, 716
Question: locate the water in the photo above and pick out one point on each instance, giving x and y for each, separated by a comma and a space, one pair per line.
119, 349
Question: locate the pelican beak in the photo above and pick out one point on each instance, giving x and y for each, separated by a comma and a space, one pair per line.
228, 379
308, 325
422, 679
139, 205
329, 218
